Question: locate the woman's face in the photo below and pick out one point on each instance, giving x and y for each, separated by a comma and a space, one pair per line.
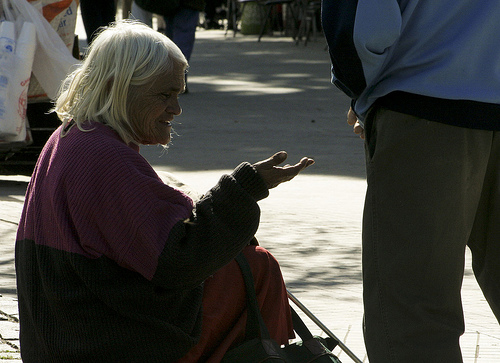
153, 106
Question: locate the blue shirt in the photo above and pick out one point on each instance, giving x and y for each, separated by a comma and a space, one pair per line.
435, 59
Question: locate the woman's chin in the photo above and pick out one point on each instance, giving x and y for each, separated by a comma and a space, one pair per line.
162, 137
158, 140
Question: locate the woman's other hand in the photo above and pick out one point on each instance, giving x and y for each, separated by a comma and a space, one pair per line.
274, 175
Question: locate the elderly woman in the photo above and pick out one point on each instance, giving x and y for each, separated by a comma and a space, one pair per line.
114, 265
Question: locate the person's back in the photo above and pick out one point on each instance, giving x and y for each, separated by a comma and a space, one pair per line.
424, 79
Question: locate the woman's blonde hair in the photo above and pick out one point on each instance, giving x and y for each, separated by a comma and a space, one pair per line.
127, 53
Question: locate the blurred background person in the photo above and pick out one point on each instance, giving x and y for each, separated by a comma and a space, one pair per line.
181, 19
96, 13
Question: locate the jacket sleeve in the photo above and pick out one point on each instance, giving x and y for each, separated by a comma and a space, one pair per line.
359, 34
338, 17
224, 222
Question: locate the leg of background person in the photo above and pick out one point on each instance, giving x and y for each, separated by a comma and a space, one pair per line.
96, 13
224, 305
424, 186
181, 28
140, 14
485, 238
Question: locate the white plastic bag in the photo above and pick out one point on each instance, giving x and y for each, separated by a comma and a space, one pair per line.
17, 49
26, 35
8, 125
62, 17
53, 59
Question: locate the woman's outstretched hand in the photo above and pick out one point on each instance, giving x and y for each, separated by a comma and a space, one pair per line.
274, 175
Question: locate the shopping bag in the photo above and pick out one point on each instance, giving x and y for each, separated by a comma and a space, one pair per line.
62, 17
53, 59
17, 48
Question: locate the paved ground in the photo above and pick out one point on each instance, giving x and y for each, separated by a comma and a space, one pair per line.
246, 101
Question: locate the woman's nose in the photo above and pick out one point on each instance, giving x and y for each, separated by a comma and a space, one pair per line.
176, 108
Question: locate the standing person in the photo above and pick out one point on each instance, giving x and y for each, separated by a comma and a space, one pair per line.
181, 20
112, 264
424, 79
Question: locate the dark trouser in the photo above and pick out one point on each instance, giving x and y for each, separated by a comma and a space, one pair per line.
181, 28
96, 13
432, 190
